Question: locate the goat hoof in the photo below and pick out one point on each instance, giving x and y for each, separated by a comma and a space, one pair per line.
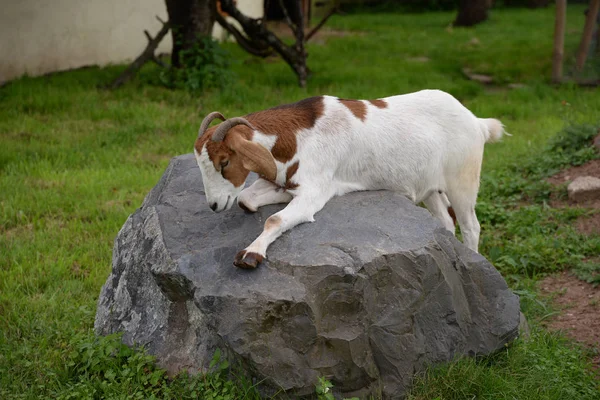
246, 260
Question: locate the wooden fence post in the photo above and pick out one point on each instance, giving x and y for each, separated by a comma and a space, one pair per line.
559, 40
586, 38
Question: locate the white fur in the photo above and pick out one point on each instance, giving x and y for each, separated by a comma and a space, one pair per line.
262, 193
424, 145
492, 129
218, 190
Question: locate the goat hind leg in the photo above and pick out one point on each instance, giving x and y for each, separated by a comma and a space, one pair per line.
437, 203
463, 202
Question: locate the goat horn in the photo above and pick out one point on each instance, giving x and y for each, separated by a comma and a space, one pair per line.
207, 120
222, 129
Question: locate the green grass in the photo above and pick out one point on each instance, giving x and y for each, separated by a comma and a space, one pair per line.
75, 161
524, 236
544, 367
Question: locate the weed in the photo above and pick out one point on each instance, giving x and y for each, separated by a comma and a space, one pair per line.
323, 389
103, 367
588, 271
204, 65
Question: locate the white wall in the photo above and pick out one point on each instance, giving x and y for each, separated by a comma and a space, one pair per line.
37, 36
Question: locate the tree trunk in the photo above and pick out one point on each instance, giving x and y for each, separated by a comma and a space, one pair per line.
588, 31
471, 12
538, 3
559, 40
189, 19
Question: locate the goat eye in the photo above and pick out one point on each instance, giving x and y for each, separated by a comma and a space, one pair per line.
224, 163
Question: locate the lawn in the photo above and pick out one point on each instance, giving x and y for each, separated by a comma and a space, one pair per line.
75, 161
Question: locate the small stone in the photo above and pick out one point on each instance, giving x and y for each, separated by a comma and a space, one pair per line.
485, 79
584, 188
516, 85
421, 59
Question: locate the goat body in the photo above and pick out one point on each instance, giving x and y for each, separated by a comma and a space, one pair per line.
424, 145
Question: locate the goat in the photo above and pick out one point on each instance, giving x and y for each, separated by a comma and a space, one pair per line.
424, 145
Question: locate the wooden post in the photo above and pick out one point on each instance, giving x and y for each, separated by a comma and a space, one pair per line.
559, 40
307, 13
588, 31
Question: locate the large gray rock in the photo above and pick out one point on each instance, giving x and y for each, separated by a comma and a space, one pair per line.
372, 292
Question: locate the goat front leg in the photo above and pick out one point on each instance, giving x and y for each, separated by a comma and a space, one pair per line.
262, 193
301, 209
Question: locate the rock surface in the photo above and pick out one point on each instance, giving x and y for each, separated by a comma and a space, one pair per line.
369, 294
584, 188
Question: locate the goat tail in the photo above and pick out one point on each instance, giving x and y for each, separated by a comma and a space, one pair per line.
492, 129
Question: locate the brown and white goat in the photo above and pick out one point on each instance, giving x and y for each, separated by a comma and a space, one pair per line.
425, 145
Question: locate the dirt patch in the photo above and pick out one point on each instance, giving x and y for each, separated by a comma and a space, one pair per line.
78, 271
591, 168
589, 224
17, 231
421, 59
111, 205
578, 303
560, 203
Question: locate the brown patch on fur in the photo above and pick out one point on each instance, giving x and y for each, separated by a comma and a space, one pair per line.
285, 121
289, 174
247, 260
219, 152
199, 143
452, 215
272, 222
357, 107
235, 172
379, 103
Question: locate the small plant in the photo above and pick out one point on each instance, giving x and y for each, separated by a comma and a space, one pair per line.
588, 272
205, 65
323, 390
103, 367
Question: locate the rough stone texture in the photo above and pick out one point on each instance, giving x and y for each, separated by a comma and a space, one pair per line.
584, 188
367, 295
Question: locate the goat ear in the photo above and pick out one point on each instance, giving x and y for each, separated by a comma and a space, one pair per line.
255, 157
